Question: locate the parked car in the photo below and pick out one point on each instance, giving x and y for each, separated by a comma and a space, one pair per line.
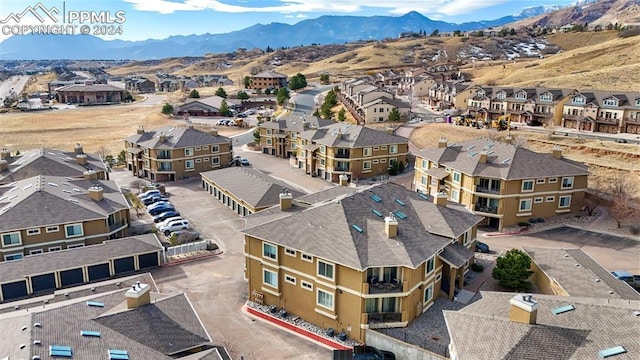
168, 220
174, 226
158, 203
363, 353
244, 161
624, 276
161, 209
149, 193
154, 199
482, 247
165, 215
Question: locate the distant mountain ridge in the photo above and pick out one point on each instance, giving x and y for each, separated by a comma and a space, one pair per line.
323, 30
590, 12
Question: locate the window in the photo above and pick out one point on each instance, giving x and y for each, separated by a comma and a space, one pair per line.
188, 152
564, 201
269, 251
527, 185
501, 96
290, 279
550, 199
12, 257
438, 276
290, 252
73, 230
146, 164
34, 252
270, 278
307, 257
206, 147
466, 237
525, 205
75, 246
423, 180
366, 151
383, 147
215, 148
428, 293
553, 180
425, 163
393, 149
198, 148
537, 200
325, 299
539, 181
521, 95
306, 285
456, 177
55, 248
189, 164
10, 239
382, 161
325, 269
455, 195
578, 100
546, 97
268, 141
33, 232
567, 182
376, 148
323, 149
430, 265
215, 160
366, 165
375, 161
269, 131
610, 102
198, 160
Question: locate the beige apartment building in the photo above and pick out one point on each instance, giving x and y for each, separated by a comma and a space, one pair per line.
279, 137
172, 153
603, 111
375, 257
51, 213
349, 150
506, 184
268, 80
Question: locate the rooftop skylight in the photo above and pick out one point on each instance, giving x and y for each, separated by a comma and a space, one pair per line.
376, 198
357, 228
378, 213
563, 309
61, 351
400, 215
616, 350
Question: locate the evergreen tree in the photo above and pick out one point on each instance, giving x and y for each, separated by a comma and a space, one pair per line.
282, 96
394, 115
224, 109
220, 92
513, 270
194, 94
342, 115
167, 109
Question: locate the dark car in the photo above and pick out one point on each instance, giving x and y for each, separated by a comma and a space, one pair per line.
153, 199
482, 247
534, 123
165, 215
161, 209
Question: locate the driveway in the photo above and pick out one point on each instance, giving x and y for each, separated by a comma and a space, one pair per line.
216, 286
611, 251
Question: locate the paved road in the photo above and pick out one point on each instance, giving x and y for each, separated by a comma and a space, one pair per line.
13, 84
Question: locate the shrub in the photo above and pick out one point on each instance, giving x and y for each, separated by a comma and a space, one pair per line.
524, 224
635, 229
477, 267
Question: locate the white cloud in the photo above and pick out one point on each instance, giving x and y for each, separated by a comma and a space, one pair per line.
301, 16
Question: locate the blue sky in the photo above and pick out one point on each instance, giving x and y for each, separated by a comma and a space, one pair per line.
159, 19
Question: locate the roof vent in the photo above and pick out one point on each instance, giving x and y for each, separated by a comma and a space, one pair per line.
597, 280
24, 327
37, 342
35, 357
616, 350
38, 325
23, 345
636, 313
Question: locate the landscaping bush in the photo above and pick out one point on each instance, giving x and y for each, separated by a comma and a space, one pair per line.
477, 267
524, 224
635, 229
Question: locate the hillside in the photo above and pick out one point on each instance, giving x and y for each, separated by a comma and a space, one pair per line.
602, 12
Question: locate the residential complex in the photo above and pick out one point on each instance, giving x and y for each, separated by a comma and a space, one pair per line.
353, 151
171, 153
603, 111
268, 80
279, 137
374, 257
369, 103
51, 213
505, 183
140, 85
209, 106
93, 94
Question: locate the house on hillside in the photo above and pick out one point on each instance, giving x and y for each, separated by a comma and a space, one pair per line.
94, 94
205, 107
268, 80
140, 85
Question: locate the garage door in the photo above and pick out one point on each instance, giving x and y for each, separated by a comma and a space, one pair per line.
44, 283
99, 272
71, 277
148, 260
124, 265
14, 290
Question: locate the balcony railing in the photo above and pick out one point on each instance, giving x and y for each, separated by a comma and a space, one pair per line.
572, 116
485, 209
342, 155
384, 317
341, 168
632, 120
164, 156
117, 225
601, 119
487, 190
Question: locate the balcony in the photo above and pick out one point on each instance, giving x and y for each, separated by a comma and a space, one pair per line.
342, 155
485, 209
386, 317
487, 190
605, 120
572, 116
632, 120
341, 168
395, 286
116, 226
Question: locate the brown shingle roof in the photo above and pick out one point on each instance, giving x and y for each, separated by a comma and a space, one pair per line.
353, 136
176, 138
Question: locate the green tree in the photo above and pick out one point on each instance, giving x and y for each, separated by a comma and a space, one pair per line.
457, 33
242, 95
246, 81
394, 115
267, 91
224, 109
220, 92
512, 32
324, 78
167, 109
122, 157
480, 33
282, 96
342, 115
513, 270
435, 33
127, 97
298, 81
194, 94
8, 102
316, 112
256, 135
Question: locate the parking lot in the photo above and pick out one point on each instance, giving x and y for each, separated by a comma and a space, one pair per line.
216, 286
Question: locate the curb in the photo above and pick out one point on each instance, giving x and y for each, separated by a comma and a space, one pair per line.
182, 261
305, 334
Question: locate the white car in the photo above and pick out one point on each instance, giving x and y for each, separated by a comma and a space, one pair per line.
168, 220
156, 204
149, 193
174, 226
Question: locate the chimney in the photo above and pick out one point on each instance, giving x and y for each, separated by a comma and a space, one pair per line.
390, 130
96, 192
140, 129
391, 226
286, 200
442, 142
305, 125
508, 139
78, 149
524, 309
557, 151
483, 156
90, 175
213, 131
139, 295
5, 154
344, 180
440, 199
162, 137
4, 165
339, 134
81, 159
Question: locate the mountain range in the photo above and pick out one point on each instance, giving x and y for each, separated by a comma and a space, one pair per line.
322, 30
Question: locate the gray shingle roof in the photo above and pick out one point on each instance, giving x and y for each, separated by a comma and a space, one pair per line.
483, 330
77, 257
353, 136
326, 229
269, 74
48, 162
89, 88
296, 123
176, 138
560, 264
456, 254
52, 200
393, 102
211, 102
504, 161
250, 185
